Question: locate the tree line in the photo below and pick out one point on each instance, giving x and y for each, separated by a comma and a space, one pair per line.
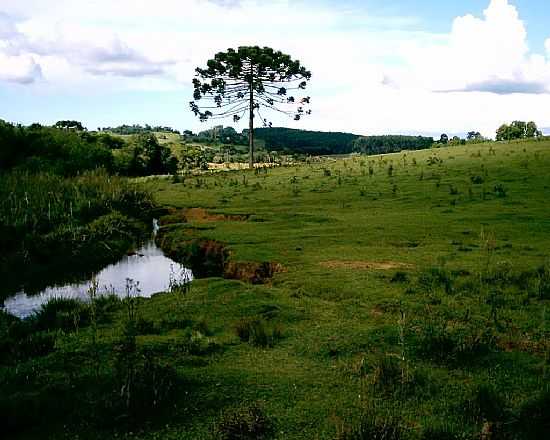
391, 144
68, 152
306, 142
138, 129
518, 130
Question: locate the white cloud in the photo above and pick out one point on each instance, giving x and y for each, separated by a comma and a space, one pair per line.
19, 69
371, 74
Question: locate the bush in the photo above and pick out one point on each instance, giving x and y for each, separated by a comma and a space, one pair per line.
434, 278
146, 327
142, 383
400, 277
533, 419
35, 345
387, 372
373, 427
61, 314
440, 432
257, 332
106, 305
248, 422
440, 342
477, 180
485, 403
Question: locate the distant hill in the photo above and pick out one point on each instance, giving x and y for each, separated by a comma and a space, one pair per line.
323, 143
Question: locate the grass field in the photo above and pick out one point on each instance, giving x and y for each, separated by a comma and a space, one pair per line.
408, 300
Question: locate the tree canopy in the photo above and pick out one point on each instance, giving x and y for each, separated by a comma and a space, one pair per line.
518, 130
248, 81
391, 144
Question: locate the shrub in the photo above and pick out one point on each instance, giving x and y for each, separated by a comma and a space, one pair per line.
146, 327
373, 427
142, 383
400, 277
434, 278
257, 332
440, 432
477, 180
440, 342
202, 327
61, 314
533, 419
106, 305
500, 191
485, 404
247, 422
387, 372
35, 345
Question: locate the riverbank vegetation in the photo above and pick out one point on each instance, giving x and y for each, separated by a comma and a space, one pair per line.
63, 211
401, 296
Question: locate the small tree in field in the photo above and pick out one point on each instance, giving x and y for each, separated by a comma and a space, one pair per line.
246, 81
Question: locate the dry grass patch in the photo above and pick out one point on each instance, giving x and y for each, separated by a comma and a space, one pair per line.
364, 265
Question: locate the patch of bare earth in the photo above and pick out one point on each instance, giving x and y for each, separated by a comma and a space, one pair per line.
364, 265
252, 272
201, 215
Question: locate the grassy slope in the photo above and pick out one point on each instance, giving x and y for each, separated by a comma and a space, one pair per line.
333, 317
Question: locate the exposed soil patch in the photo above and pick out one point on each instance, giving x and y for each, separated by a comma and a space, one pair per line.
365, 265
200, 215
252, 272
206, 258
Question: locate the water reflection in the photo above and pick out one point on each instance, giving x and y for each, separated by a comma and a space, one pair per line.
149, 266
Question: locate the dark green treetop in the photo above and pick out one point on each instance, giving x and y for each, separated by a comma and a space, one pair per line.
248, 81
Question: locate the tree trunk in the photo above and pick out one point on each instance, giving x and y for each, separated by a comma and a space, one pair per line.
251, 130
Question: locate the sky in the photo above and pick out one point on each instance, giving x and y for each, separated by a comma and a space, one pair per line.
378, 66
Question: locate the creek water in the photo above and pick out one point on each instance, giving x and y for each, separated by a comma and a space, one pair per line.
148, 266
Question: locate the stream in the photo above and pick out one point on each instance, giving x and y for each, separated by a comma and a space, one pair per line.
148, 266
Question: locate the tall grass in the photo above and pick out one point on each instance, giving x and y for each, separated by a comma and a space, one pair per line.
38, 203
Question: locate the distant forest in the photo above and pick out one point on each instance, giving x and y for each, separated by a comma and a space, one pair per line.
320, 143
391, 144
306, 142
138, 129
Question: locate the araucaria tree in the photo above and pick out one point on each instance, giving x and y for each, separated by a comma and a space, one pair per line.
248, 81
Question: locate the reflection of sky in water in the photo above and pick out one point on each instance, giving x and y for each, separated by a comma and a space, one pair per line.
149, 267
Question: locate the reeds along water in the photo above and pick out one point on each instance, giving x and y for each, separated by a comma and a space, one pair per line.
37, 203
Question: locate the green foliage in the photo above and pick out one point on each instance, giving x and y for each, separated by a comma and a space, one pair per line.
247, 422
70, 125
444, 342
485, 403
61, 314
70, 152
64, 152
518, 130
533, 418
390, 144
373, 427
257, 332
138, 129
246, 81
306, 142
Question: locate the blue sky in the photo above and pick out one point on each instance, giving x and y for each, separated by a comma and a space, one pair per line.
407, 66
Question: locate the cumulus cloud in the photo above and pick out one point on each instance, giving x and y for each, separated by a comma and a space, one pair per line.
491, 54
94, 51
19, 69
14, 66
371, 73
